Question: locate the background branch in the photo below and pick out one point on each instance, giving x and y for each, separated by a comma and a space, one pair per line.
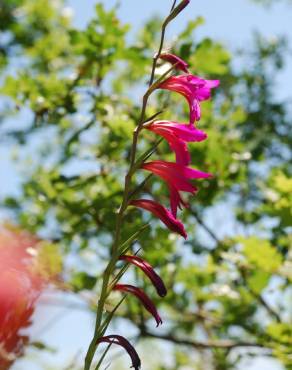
210, 344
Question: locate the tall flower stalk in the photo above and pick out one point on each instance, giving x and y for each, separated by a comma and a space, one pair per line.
177, 175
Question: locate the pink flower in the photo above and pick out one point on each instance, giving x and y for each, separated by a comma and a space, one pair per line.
177, 135
149, 271
176, 201
162, 213
193, 88
144, 299
178, 179
174, 59
123, 342
20, 287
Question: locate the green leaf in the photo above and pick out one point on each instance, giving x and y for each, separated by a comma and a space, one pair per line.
210, 58
82, 280
261, 254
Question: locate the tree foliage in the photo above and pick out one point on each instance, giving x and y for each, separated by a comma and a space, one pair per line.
75, 95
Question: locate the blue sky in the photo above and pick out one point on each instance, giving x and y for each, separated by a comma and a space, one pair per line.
232, 22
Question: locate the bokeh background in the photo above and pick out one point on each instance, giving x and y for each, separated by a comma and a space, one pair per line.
70, 95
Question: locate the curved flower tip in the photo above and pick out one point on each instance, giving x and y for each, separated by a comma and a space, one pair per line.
173, 59
177, 177
176, 201
149, 271
193, 88
123, 342
162, 213
183, 131
144, 299
177, 135
175, 174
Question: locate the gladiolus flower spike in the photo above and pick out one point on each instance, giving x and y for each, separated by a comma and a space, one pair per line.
123, 342
144, 299
177, 175
149, 271
193, 88
162, 213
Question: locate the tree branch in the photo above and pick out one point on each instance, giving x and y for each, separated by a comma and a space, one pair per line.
261, 300
258, 297
223, 344
267, 307
205, 227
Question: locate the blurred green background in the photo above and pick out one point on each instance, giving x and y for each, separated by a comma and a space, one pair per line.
72, 77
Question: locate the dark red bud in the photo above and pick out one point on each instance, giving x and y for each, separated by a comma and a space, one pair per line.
123, 342
149, 271
144, 299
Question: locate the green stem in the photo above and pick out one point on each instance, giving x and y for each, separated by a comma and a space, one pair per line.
173, 5
103, 356
115, 249
157, 55
105, 290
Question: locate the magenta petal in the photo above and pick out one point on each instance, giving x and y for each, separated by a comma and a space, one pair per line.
144, 299
203, 94
182, 154
177, 135
195, 110
176, 201
184, 171
162, 213
175, 143
193, 88
123, 342
149, 271
183, 131
173, 176
194, 80
177, 177
192, 173
212, 83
